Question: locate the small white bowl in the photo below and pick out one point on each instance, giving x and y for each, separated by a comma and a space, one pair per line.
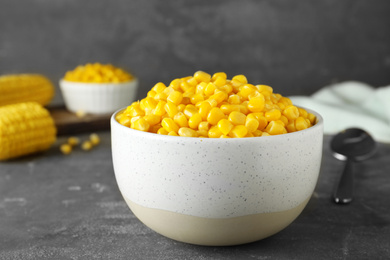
97, 98
216, 191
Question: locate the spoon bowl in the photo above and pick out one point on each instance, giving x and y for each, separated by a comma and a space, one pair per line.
350, 145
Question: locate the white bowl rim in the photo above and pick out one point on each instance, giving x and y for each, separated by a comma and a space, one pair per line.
169, 138
133, 80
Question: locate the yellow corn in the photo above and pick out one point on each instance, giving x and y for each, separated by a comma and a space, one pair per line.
25, 128
225, 126
237, 118
98, 73
214, 106
215, 115
187, 132
238, 131
20, 88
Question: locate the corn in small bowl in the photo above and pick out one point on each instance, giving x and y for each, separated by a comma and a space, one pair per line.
216, 177
97, 88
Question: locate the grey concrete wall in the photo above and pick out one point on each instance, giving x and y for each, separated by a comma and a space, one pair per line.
294, 46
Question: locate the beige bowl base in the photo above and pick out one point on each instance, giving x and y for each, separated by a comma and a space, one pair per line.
212, 231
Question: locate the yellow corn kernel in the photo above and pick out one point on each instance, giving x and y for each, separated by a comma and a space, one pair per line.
254, 94
214, 132
228, 108
312, 118
194, 121
185, 86
215, 115
204, 110
220, 81
256, 104
94, 138
224, 136
173, 133
265, 134
225, 126
246, 90
125, 120
196, 98
180, 119
141, 124
169, 125
73, 141
227, 88
204, 126
291, 112
202, 133
286, 101
154, 128
275, 128
240, 78
264, 88
300, 124
281, 106
175, 97
151, 93
219, 75
66, 148
152, 119
257, 133
162, 131
175, 84
181, 107
284, 120
160, 108
237, 118
238, 131
201, 76
86, 145
190, 110
187, 132
251, 124
272, 115
234, 99
302, 112
219, 96
161, 96
159, 87
210, 88
193, 81
171, 109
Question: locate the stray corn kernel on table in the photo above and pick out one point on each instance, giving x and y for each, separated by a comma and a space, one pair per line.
56, 206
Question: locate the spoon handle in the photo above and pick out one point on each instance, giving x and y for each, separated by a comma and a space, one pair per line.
344, 190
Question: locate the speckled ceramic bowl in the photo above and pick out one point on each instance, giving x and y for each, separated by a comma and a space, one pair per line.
97, 98
216, 191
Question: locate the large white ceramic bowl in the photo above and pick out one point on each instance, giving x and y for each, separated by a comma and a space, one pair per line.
223, 191
97, 98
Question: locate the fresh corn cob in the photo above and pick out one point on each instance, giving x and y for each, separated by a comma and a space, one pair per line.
25, 128
19, 88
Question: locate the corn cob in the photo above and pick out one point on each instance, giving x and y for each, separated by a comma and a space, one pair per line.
19, 88
25, 128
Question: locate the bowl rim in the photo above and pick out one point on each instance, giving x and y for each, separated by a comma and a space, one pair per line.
64, 82
168, 138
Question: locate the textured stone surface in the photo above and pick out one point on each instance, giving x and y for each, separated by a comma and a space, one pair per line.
295, 47
69, 207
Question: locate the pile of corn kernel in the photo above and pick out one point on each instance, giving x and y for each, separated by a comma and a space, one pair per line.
98, 73
213, 106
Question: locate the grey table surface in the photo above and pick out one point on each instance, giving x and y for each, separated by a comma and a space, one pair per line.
54, 206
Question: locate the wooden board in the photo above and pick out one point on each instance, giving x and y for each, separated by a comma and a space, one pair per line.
68, 123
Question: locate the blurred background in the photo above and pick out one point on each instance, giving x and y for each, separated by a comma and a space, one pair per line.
297, 47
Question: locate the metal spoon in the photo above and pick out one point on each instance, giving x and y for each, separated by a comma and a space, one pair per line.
350, 145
